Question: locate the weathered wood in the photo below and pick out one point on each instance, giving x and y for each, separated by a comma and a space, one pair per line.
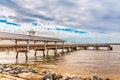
28, 47
26, 55
16, 55
47, 51
16, 49
35, 53
55, 52
43, 52
46, 47
63, 48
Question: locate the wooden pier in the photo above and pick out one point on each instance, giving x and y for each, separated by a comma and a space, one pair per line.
32, 43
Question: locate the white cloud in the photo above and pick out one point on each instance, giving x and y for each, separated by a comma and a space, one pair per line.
95, 17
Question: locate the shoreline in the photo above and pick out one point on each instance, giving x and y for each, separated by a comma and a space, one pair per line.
27, 73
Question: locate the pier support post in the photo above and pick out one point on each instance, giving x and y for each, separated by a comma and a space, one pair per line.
35, 48
47, 51
55, 48
44, 53
45, 48
110, 48
26, 56
96, 48
35, 53
16, 49
28, 47
27, 51
16, 55
63, 48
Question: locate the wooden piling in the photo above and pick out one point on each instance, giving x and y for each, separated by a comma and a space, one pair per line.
16, 55
47, 51
26, 56
63, 48
43, 52
55, 51
67, 49
27, 51
35, 48
35, 53
16, 44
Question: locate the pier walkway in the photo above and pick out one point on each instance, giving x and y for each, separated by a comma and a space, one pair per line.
32, 43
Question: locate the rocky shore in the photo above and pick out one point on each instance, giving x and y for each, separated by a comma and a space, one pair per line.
12, 72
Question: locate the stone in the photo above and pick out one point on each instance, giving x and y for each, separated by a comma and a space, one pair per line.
76, 78
107, 79
47, 75
56, 76
7, 69
94, 77
34, 70
25, 70
87, 78
67, 78
30, 76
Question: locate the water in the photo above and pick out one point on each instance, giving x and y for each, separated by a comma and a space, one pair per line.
82, 63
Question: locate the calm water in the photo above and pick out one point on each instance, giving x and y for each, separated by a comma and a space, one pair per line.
83, 62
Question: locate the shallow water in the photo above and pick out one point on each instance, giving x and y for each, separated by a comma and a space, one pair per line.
83, 62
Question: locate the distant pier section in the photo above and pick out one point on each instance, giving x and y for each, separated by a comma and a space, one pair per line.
46, 44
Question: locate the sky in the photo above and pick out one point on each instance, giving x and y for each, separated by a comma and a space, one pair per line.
76, 21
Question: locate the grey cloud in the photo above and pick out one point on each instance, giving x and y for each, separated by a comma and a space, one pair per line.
27, 20
98, 15
23, 11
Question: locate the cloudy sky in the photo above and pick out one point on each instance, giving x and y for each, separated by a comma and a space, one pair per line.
72, 20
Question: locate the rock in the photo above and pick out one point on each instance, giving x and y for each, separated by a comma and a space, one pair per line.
30, 76
13, 72
107, 79
76, 78
25, 70
67, 78
48, 75
87, 78
94, 77
7, 69
46, 72
34, 70
56, 76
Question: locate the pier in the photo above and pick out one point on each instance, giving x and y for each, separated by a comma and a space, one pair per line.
44, 44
